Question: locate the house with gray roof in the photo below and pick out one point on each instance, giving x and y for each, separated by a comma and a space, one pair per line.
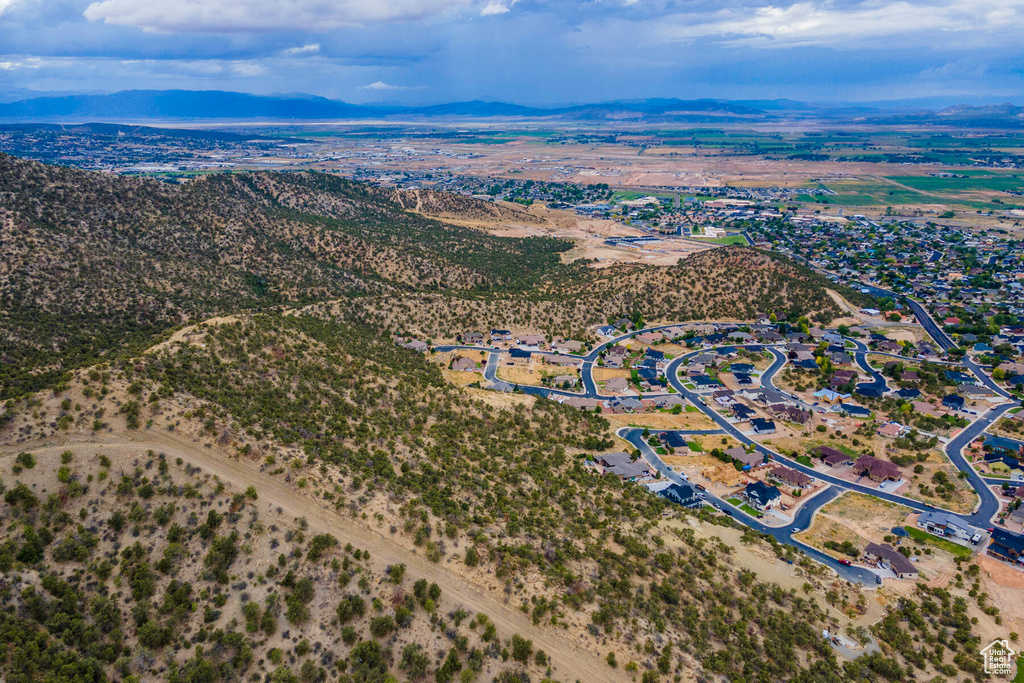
622, 465
943, 523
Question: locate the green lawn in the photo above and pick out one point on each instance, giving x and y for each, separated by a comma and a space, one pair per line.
975, 182
749, 510
941, 543
628, 196
730, 240
918, 190
734, 501
804, 460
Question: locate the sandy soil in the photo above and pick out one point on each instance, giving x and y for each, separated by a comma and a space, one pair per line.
497, 400
462, 378
590, 235
191, 333
602, 374
661, 420
520, 374
459, 588
861, 520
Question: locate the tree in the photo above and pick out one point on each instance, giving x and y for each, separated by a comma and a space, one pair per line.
521, 649
414, 661
368, 662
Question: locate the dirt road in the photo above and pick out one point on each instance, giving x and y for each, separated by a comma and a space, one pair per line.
570, 661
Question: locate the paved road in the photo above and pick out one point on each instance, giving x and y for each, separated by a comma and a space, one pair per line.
877, 380
989, 504
913, 360
768, 381
491, 372
782, 534
930, 326
982, 516
744, 439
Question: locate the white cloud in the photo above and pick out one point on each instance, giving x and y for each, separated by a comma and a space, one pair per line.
27, 63
309, 49
6, 5
247, 69
871, 22
261, 15
494, 7
381, 85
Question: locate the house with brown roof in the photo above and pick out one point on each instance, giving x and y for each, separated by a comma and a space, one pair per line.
652, 337
753, 459
926, 408
616, 356
532, 340
887, 557
463, 364
695, 369
844, 376
567, 345
833, 457
616, 385
876, 469
890, 430
790, 413
582, 403
791, 477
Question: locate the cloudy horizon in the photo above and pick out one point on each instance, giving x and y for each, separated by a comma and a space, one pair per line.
534, 52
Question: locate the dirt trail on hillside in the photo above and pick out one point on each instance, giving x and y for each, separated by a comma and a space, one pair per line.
569, 661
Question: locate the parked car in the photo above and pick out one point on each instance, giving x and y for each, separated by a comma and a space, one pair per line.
846, 562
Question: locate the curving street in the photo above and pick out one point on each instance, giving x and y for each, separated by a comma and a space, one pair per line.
783, 534
982, 516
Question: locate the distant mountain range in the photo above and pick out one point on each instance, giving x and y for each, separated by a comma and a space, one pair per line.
135, 105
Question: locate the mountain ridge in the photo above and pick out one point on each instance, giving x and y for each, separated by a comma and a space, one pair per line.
218, 105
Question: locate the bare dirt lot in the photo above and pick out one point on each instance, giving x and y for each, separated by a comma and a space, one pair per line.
661, 420
603, 374
862, 519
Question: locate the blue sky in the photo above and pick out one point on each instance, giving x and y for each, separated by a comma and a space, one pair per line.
526, 51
